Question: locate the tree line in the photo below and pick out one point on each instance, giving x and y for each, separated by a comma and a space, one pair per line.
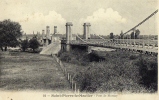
133, 35
10, 33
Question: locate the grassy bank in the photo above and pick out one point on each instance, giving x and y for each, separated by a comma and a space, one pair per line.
120, 71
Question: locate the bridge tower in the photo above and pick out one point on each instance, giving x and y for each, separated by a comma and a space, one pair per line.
43, 37
47, 35
86, 34
68, 35
68, 32
55, 29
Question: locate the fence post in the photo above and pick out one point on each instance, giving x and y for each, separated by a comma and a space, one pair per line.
59, 60
78, 91
68, 76
64, 71
72, 83
75, 87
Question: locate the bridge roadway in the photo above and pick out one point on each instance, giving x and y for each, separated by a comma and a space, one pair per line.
153, 48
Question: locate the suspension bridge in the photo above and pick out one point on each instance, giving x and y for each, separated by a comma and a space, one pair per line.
140, 45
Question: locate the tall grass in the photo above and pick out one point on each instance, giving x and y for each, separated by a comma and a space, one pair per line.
121, 71
75, 56
148, 70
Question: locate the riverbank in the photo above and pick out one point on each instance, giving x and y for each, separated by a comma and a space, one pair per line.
119, 71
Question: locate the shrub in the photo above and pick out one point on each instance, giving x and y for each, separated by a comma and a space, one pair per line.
121, 84
24, 45
90, 80
75, 56
34, 44
116, 73
148, 71
132, 57
65, 57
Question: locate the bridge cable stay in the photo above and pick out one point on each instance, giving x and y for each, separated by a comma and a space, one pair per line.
81, 38
141, 24
142, 21
155, 29
98, 35
72, 32
148, 40
148, 34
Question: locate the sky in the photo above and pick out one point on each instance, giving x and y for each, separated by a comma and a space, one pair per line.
105, 16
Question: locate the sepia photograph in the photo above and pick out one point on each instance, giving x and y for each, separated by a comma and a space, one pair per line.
78, 49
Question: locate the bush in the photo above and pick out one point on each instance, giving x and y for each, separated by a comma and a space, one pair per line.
75, 57
24, 45
34, 44
132, 57
65, 57
148, 70
121, 71
89, 80
121, 84
98, 74
118, 73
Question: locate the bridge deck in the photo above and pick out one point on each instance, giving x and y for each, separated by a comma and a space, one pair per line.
107, 44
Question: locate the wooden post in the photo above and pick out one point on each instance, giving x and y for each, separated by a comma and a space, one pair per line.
78, 91
75, 87
65, 70
68, 76
72, 83
60, 62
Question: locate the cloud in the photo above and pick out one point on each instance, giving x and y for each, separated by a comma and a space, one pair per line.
105, 21
39, 21
31, 20
106, 15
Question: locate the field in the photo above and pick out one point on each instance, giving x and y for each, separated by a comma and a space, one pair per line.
110, 71
28, 71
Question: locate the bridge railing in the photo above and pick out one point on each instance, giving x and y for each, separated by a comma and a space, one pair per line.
122, 43
119, 41
137, 42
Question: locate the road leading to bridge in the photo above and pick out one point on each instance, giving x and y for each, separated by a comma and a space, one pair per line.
27, 71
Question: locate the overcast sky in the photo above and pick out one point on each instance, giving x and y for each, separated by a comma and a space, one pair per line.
105, 16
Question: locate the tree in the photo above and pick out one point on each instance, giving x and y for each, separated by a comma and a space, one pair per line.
9, 33
34, 44
111, 36
132, 35
121, 35
137, 33
24, 44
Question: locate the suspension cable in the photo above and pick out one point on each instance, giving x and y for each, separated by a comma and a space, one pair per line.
98, 35
81, 38
142, 21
